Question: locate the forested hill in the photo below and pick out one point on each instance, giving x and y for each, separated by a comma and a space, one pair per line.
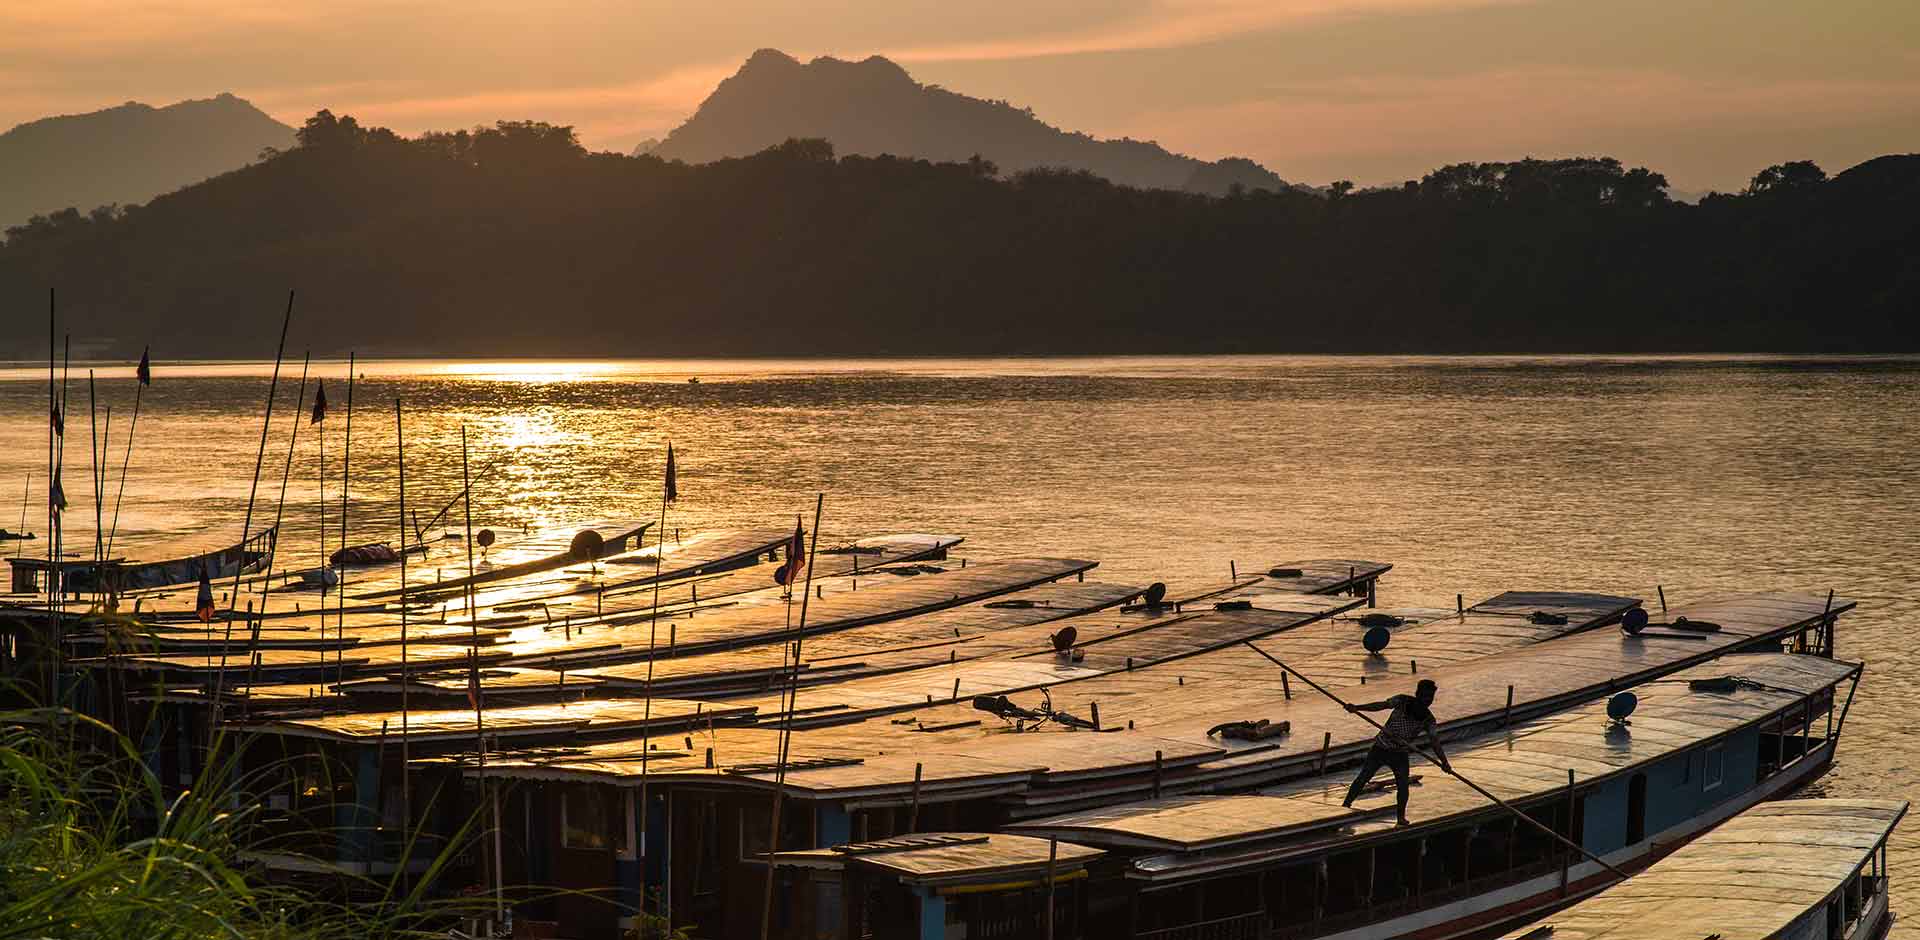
873, 107
514, 241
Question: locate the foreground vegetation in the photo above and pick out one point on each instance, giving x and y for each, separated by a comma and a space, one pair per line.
515, 240
90, 848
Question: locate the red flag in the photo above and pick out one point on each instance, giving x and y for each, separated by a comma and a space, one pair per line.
145, 372
319, 405
473, 680
203, 604
673, 484
789, 570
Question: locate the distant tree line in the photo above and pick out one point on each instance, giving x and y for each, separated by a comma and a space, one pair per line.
514, 240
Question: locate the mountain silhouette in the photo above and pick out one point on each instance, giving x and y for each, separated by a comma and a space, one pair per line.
874, 107
128, 154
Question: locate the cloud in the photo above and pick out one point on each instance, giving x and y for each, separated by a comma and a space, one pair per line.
1166, 24
1641, 115
597, 110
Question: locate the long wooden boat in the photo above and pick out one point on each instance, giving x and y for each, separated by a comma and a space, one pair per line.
1790, 869
541, 553
1292, 863
119, 575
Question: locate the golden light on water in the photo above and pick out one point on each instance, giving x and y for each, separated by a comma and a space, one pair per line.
529, 372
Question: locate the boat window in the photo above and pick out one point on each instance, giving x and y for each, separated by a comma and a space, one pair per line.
1714, 769
1636, 808
1444, 864
796, 829
629, 826
1395, 870
1293, 895
583, 818
1349, 881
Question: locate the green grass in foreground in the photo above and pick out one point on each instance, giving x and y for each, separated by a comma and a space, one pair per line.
91, 848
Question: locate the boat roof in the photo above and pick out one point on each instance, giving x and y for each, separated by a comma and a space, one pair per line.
764, 616
1315, 576
1169, 708
1751, 878
937, 859
589, 715
968, 632
1106, 643
1206, 833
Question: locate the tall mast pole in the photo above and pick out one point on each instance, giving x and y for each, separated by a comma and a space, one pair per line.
286, 473
139, 390
246, 525
406, 792
346, 478
791, 697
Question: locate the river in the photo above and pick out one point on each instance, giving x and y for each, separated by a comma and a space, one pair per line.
1470, 475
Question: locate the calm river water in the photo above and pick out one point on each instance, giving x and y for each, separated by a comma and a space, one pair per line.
1702, 474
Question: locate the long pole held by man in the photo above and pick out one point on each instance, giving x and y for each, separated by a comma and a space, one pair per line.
1446, 766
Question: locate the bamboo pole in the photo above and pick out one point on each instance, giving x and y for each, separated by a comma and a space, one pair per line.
1448, 769
280, 509
246, 525
786, 722
473, 675
406, 679
325, 564
139, 392
26, 496
93, 475
346, 478
646, 710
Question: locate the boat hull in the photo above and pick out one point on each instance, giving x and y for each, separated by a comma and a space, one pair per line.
1494, 912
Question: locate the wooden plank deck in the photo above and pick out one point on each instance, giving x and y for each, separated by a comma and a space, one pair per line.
1750, 878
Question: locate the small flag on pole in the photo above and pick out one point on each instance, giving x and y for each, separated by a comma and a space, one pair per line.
789, 571
145, 372
673, 484
59, 423
58, 495
203, 604
473, 680
319, 404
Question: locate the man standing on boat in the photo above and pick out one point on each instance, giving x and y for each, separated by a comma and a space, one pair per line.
1412, 717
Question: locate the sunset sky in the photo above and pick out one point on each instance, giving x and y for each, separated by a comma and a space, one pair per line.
1370, 90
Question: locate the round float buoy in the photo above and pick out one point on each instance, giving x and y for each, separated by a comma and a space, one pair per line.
586, 545
1156, 592
1063, 639
1377, 639
1634, 621
1622, 705
485, 538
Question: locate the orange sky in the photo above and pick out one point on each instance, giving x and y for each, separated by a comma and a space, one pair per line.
1372, 90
